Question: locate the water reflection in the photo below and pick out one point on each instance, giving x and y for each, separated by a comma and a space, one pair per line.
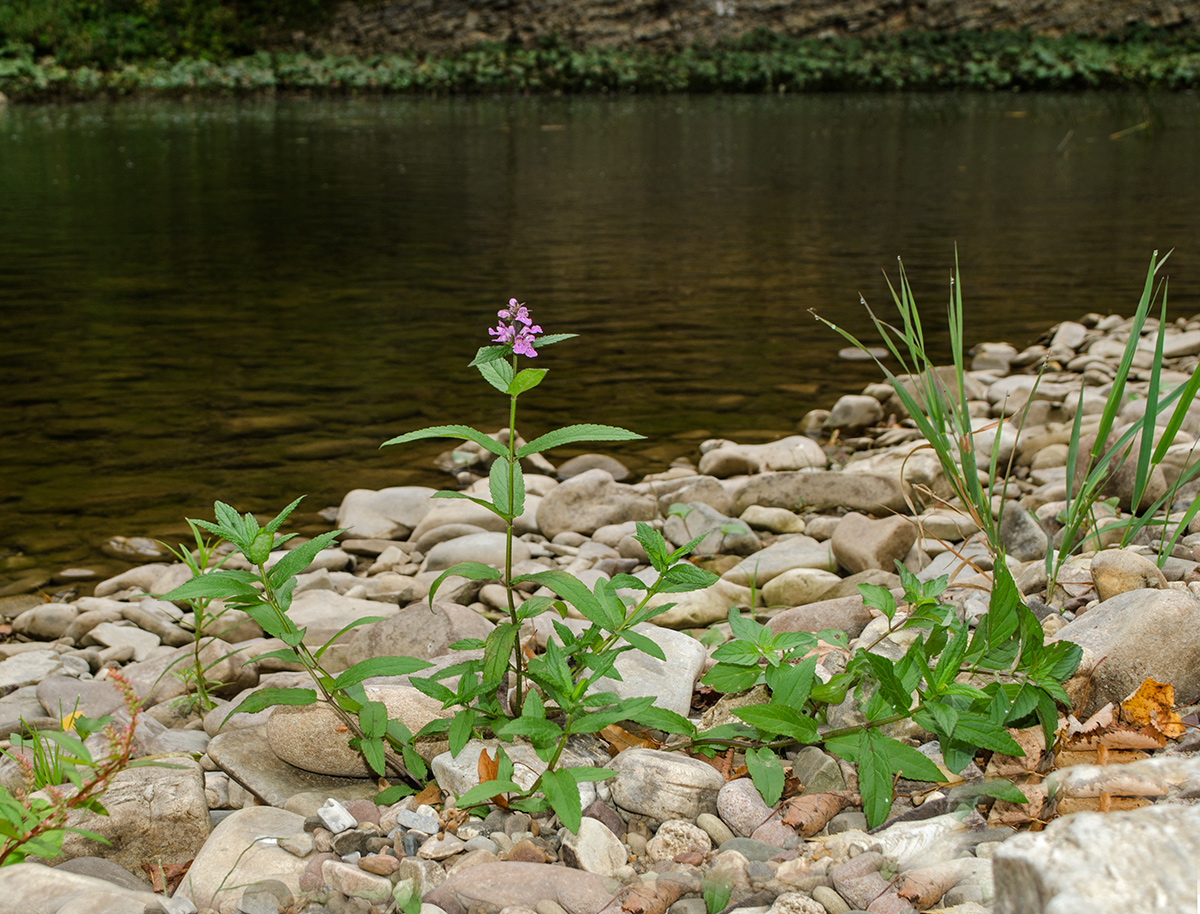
241, 299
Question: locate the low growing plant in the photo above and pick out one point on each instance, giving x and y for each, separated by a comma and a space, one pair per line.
265, 594
33, 818
940, 411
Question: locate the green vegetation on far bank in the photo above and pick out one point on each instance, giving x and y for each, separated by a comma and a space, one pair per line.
759, 63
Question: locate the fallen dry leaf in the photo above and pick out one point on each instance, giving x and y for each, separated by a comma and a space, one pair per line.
488, 768
619, 739
1152, 706
430, 796
165, 877
811, 812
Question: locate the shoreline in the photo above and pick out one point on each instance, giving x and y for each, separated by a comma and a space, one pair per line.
759, 63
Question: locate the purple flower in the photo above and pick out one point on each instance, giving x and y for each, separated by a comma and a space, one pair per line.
516, 327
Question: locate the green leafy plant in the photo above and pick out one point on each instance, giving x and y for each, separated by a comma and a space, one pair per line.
547, 698
937, 403
265, 594
49, 753
195, 674
60, 777
965, 687
1088, 472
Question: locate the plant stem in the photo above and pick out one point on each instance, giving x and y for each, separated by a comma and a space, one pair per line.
508, 541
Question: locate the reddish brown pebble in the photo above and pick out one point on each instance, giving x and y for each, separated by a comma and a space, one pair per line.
379, 864
363, 811
528, 852
692, 858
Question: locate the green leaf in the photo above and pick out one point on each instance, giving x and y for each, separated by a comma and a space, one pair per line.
483, 792
474, 571
510, 500
908, 761
656, 547
393, 794
267, 698
487, 354
526, 379
536, 730
216, 585
667, 721
562, 792
743, 628
461, 728
1002, 608
741, 653
497, 651
767, 774
775, 720
644, 644
296, 560
875, 778
498, 373
373, 719
983, 733
789, 684
684, 577
950, 661
572, 590
361, 620
551, 338
379, 666
880, 598
451, 431
598, 720
731, 677
573, 434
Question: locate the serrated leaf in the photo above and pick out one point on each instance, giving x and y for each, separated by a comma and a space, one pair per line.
684, 577
790, 685
506, 483
498, 373
497, 651
487, 354
644, 644
538, 731
654, 545
667, 721
296, 560
461, 727
551, 338
874, 778
880, 598
766, 772
572, 590
775, 720
526, 379
573, 434
216, 585
451, 431
562, 793
379, 666
908, 761
268, 698
741, 653
743, 628
483, 792
473, 571
731, 677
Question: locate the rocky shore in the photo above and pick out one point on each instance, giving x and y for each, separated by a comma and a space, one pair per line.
274, 812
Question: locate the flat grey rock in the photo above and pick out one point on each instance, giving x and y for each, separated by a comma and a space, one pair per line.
246, 756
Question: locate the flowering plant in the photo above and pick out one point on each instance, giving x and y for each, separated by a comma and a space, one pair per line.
493, 692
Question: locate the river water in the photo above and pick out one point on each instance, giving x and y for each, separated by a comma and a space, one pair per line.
241, 299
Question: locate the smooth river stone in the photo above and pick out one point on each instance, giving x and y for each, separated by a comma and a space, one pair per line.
664, 785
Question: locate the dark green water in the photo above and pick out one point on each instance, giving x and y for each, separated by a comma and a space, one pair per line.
240, 300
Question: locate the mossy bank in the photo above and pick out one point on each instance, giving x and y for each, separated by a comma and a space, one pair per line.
762, 62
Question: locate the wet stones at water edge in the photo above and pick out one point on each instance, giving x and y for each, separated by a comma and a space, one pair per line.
276, 813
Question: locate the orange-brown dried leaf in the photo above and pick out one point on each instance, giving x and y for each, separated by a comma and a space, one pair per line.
619, 739
648, 897
811, 812
1153, 706
430, 796
488, 766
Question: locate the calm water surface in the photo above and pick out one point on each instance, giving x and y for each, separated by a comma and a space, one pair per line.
241, 299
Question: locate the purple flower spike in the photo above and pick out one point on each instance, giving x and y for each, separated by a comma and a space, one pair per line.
517, 328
